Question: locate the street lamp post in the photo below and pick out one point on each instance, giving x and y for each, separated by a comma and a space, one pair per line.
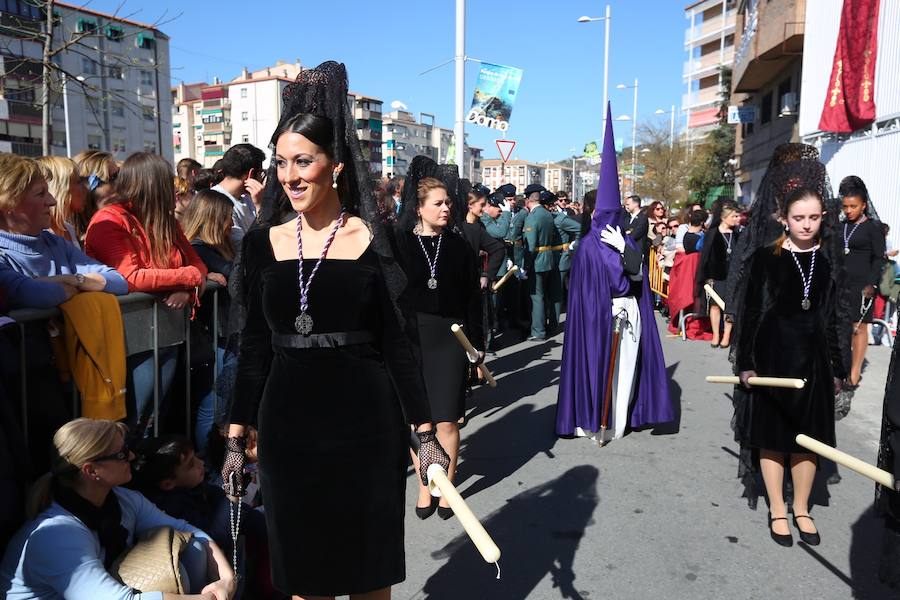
671, 112
622, 86
607, 20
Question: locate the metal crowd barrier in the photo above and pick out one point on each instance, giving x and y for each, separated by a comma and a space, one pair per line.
147, 327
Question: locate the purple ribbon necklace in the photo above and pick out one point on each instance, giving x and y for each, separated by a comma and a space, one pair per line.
304, 322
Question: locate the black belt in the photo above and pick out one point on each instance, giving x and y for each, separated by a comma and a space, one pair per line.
322, 340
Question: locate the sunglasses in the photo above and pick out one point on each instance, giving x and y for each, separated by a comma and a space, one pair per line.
121, 455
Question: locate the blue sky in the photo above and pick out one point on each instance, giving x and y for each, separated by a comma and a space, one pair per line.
385, 46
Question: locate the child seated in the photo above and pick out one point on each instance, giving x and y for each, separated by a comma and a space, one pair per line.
169, 473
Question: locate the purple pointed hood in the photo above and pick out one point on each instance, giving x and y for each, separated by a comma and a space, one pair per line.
609, 201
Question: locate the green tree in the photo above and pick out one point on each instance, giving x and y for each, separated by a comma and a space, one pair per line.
666, 165
712, 162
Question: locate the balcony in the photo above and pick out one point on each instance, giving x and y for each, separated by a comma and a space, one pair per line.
710, 29
708, 64
700, 98
771, 37
361, 113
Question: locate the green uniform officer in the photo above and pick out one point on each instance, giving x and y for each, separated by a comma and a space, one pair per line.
496, 221
543, 250
569, 232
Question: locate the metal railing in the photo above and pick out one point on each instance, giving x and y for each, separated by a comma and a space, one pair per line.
147, 327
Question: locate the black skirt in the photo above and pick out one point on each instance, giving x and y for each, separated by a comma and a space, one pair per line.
333, 454
444, 365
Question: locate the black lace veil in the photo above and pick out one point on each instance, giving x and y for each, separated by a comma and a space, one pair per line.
423, 167
853, 185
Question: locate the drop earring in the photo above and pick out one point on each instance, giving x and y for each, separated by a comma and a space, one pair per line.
334, 177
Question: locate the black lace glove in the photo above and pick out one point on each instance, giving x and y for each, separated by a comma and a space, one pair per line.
233, 466
430, 453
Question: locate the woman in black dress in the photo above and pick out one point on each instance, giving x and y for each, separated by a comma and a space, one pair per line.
715, 259
790, 328
864, 248
326, 368
444, 290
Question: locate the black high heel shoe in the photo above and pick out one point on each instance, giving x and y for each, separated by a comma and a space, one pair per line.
445, 512
424, 513
813, 539
782, 540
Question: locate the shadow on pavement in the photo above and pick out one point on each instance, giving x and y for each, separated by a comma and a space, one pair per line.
531, 352
865, 557
521, 434
538, 532
515, 386
674, 426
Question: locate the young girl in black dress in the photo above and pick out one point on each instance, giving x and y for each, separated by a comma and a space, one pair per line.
328, 369
715, 260
864, 247
790, 328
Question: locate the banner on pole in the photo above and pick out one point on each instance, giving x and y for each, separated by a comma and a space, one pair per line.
495, 94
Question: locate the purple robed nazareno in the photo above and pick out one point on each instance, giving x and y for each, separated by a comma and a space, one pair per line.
597, 276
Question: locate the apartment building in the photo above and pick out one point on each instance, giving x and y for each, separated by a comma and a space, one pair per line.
210, 118
767, 71
709, 43
405, 137
558, 177
518, 172
116, 99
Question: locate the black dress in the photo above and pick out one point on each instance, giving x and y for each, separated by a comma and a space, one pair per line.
715, 260
333, 443
864, 264
780, 339
457, 299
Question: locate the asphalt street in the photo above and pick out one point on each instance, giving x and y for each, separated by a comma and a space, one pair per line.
658, 514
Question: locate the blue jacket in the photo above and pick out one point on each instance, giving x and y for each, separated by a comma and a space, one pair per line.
57, 557
24, 257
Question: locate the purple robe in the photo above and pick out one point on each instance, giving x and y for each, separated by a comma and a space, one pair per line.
597, 276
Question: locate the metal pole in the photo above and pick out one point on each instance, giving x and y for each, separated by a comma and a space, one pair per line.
65, 92
459, 128
573, 177
634, 137
187, 373
155, 369
672, 129
605, 65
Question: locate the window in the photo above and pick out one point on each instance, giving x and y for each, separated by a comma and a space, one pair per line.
145, 40
243, 92
147, 78
117, 108
86, 26
150, 147
119, 145
88, 66
94, 142
245, 139
115, 72
114, 33
149, 113
245, 116
766, 109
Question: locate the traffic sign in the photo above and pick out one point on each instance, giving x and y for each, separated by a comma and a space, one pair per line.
505, 147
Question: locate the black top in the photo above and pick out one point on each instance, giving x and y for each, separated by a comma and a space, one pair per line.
458, 293
346, 296
212, 258
867, 247
479, 240
716, 258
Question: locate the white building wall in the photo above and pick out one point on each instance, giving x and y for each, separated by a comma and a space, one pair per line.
255, 112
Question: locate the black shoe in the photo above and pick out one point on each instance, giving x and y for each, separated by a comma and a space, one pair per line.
445, 512
536, 339
812, 539
424, 513
782, 540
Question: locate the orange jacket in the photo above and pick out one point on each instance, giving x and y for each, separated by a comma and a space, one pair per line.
94, 342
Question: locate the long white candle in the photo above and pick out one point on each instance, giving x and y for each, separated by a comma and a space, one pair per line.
851, 462
779, 382
472, 353
486, 546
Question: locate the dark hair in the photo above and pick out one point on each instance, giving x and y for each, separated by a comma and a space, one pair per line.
205, 179
798, 194
588, 203
886, 228
147, 182
185, 166
317, 129
853, 186
634, 198
239, 159
698, 217
157, 460
394, 184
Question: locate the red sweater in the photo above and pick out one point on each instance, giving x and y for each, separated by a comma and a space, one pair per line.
116, 238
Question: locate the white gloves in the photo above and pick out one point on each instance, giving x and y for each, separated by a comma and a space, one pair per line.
506, 207
614, 238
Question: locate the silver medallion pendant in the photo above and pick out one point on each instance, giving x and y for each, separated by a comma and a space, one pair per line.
431, 283
728, 251
805, 304
846, 250
303, 324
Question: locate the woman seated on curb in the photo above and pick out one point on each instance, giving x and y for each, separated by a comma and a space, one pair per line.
37, 268
84, 521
